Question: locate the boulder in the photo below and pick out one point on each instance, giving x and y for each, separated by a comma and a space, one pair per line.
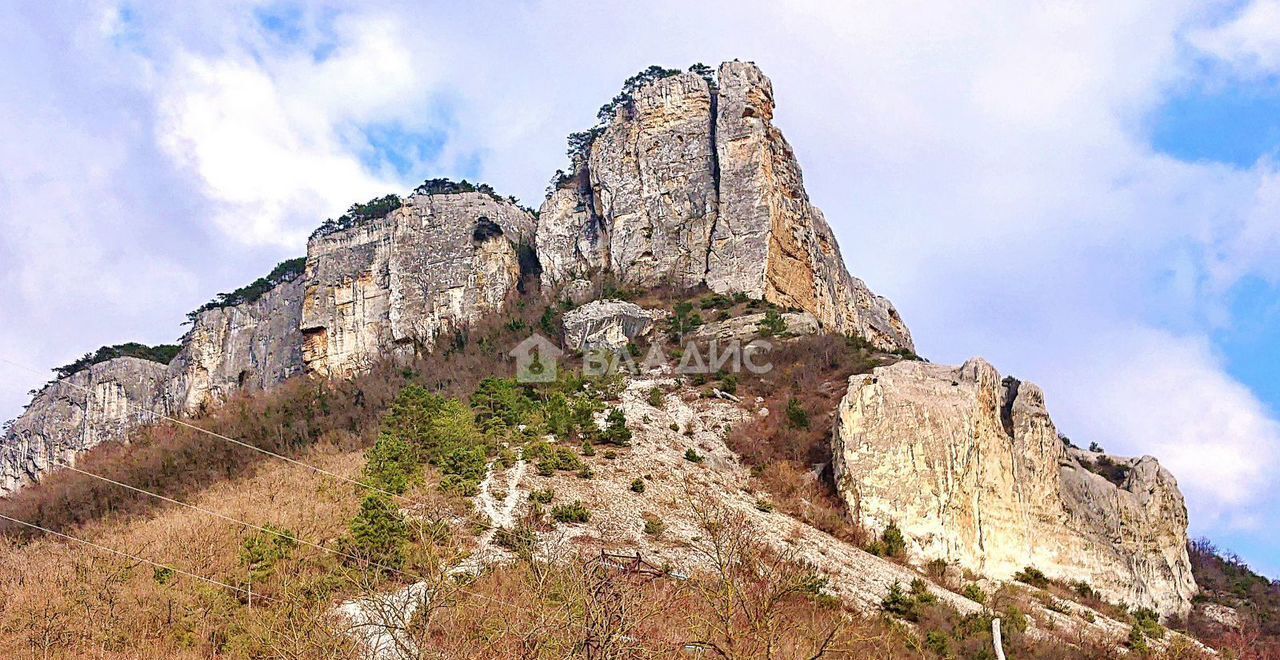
607, 325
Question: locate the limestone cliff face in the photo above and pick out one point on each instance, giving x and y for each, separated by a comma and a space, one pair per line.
770, 241
95, 405
692, 184
972, 470
395, 285
255, 345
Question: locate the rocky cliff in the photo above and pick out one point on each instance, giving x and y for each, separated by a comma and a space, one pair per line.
398, 283
254, 345
686, 183
94, 405
972, 470
690, 183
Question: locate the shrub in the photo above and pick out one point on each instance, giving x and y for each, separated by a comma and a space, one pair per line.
263, 550
682, 321
1032, 576
797, 416
890, 544
542, 496
391, 464
559, 458
571, 513
637, 485
729, 384
519, 539
358, 214
692, 456
974, 593
616, 431
501, 402
379, 533
1085, 591
1137, 640
588, 449
162, 353
772, 325
1148, 622
764, 506
653, 525
656, 397
907, 605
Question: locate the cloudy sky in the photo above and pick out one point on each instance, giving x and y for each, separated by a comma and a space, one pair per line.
1088, 195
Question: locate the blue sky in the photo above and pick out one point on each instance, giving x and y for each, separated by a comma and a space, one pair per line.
1086, 194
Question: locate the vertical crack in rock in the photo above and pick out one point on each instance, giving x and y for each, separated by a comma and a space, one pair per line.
715, 182
1011, 386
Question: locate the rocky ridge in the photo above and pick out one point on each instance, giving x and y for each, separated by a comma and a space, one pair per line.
692, 184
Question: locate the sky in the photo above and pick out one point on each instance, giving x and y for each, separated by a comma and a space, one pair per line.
1085, 194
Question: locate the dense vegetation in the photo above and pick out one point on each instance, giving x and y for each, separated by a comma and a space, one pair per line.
162, 353
284, 271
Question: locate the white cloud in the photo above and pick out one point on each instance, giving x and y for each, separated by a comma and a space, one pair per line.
266, 141
1250, 41
1137, 390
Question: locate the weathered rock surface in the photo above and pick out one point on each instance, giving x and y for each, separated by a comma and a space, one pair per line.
95, 405
693, 185
972, 470
769, 241
606, 325
653, 178
747, 327
396, 284
255, 345
571, 240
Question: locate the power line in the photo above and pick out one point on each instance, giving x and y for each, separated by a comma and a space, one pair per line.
135, 557
241, 443
266, 530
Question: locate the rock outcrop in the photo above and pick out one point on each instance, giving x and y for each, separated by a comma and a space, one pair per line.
254, 345
396, 284
690, 184
94, 405
972, 470
606, 325
747, 327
